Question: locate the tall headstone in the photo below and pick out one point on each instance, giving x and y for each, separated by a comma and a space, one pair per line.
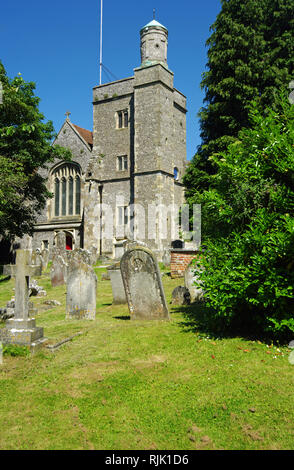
118, 289
143, 285
45, 257
60, 241
58, 272
21, 329
81, 286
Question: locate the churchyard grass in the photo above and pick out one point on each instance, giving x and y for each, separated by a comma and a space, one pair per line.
124, 384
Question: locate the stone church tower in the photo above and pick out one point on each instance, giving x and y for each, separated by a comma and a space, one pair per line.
131, 165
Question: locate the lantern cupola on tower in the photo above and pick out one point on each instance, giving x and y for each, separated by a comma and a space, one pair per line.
153, 44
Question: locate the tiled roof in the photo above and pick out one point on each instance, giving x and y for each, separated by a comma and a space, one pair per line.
87, 135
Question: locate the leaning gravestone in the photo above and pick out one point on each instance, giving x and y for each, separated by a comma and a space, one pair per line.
118, 290
190, 276
21, 329
143, 286
81, 286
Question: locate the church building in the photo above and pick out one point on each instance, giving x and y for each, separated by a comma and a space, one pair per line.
129, 166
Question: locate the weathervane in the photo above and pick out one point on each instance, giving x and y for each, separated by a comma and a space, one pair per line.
154, 13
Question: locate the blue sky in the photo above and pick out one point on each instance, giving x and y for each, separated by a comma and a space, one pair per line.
56, 45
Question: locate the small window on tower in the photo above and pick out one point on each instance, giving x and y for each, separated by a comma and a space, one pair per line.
122, 119
176, 173
122, 215
126, 119
122, 163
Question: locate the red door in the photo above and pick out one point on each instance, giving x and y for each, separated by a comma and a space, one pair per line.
68, 242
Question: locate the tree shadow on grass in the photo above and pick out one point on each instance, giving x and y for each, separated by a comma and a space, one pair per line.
201, 319
198, 319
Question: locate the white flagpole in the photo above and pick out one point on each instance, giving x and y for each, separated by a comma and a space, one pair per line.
100, 81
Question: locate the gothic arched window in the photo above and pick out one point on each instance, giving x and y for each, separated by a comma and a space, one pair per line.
66, 181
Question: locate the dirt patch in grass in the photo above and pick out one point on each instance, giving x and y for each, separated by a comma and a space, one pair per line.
150, 362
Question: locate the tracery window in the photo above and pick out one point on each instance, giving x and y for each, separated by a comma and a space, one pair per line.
67, 190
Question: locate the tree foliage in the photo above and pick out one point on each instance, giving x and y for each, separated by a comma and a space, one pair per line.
250, 56
248, 226
25, 148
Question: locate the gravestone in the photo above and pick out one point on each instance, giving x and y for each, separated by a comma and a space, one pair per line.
119, 249
45, 258
166, 258
81, 286
118, 290
181, 296
58, 271
93, 254
21, 329
143, 286
37, 259
190, 276
60, 242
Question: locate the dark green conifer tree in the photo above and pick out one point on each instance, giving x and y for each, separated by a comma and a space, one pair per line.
250, 56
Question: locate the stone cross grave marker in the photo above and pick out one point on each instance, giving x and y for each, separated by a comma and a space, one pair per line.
21, 329
143, 285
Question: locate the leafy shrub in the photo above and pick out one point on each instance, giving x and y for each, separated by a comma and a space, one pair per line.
248, 228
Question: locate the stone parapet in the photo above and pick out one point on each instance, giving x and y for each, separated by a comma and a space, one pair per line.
113, 89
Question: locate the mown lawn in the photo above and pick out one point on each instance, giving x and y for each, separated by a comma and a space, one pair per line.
125, 384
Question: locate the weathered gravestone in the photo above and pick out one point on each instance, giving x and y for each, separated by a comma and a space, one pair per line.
181, 296
22, 329
37, 259
60, 241
118, 290
58, 270
190, 276
45, 258
143, 286
93, 254
81, 286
